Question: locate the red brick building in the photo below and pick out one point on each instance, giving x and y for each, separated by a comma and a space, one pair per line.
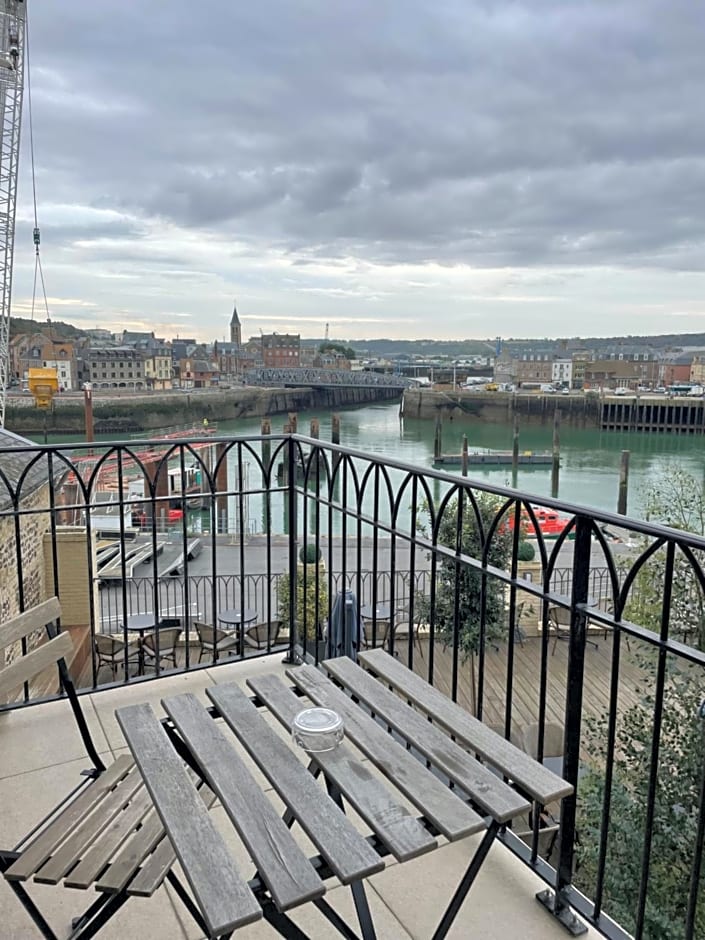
281, 350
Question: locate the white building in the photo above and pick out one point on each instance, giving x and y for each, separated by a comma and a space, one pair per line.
562, 372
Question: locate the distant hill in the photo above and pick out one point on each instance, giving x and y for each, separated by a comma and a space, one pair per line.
55, 329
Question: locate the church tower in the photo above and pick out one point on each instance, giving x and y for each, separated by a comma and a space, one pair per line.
235, 328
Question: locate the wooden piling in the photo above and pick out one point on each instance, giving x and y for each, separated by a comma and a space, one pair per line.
556, 463
438, 440
88, 408
623, 483
315, 428
464, 456
293, 422
265, 431
515, 451
335, 429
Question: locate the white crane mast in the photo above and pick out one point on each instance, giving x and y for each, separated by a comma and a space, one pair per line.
12, 38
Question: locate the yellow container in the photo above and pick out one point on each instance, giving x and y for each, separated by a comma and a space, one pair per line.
43, 384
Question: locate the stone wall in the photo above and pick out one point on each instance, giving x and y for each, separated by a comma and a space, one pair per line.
30, 550
500, 407
122, 414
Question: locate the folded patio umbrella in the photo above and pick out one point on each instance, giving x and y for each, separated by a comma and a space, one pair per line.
345, 629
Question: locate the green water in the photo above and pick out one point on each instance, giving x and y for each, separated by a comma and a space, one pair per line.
589, 458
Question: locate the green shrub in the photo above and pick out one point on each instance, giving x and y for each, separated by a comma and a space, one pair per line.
309, 555
526, 551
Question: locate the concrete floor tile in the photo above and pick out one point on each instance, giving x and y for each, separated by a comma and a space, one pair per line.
153, 917
27, 798
153, 692
500, 904
313, 923
44, 735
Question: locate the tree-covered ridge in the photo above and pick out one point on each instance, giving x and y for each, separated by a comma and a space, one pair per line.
55, 329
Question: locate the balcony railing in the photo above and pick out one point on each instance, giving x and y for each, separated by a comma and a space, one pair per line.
596, 643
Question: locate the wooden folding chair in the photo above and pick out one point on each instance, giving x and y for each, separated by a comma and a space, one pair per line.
105, 833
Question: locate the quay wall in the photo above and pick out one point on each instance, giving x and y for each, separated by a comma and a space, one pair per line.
647, 413
129, 412
500, 407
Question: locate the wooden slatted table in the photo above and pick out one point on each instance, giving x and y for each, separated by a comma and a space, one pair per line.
416, 743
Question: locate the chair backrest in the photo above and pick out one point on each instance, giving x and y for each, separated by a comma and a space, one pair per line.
552, 740
206, 633
382, 631
167, 640
266, 633
108, 645
29, 666
25, 668
560, 616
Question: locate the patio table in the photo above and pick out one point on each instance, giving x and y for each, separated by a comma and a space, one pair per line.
240, 618
141, 624
221, 899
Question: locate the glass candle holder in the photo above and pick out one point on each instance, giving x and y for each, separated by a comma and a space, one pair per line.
317, 729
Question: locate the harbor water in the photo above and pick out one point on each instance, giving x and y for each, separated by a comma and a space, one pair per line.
590, 458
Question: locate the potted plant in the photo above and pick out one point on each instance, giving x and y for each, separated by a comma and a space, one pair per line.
311, 592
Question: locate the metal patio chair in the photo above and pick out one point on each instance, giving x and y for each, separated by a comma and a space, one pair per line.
167, 641
110, 651
104, 834
559, 623
215, 641
264, 635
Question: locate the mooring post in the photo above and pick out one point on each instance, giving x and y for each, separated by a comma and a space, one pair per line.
623, 483
293, 422
437, 442
515, 451
464, 460
556, 463
335, 429
265, 431
88, 409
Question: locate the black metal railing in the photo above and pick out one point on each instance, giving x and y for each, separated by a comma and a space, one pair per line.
601, 634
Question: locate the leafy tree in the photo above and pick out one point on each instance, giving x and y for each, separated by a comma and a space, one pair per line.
674, 831
458, 578
347, 351
678, 499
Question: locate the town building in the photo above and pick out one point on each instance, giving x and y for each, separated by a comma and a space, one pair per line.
281, 350
112, 367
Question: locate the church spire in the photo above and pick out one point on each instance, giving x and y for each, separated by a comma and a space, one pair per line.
235, 328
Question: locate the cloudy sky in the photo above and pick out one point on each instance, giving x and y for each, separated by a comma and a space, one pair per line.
394, 168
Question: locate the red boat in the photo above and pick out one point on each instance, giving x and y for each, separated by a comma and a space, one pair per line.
550, 524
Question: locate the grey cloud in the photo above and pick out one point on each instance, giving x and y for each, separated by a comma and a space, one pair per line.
536, 132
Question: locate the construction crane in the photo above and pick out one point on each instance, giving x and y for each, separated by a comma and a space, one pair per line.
12, 39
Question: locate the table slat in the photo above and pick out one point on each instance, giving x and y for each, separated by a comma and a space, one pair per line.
541, 783
485, 787
397, 829
284, 868
448, 813
156, 866
347, 852
222, 895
